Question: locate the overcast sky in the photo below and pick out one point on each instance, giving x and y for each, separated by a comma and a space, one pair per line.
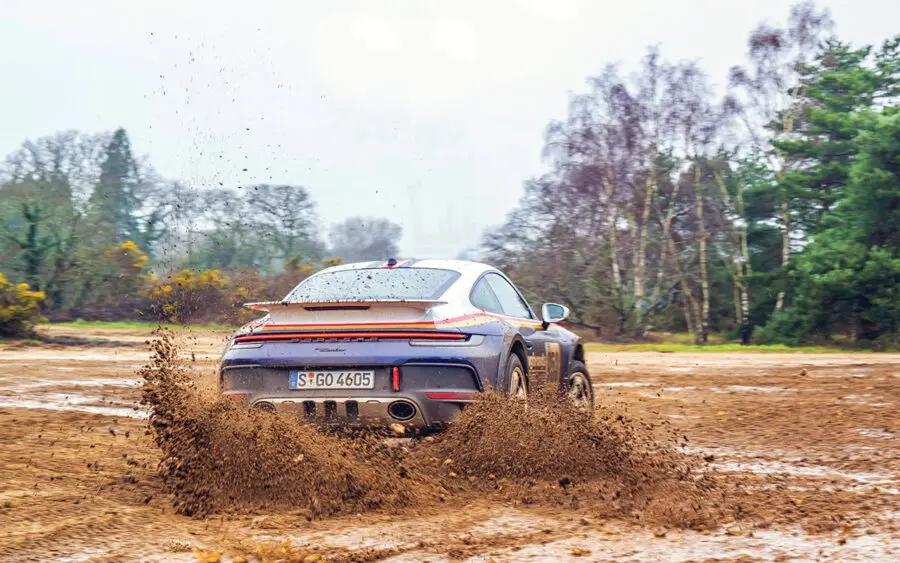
428, 112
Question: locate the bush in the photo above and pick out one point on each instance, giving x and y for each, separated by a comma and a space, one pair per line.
19, 309
189, 297
887, 342
114, 285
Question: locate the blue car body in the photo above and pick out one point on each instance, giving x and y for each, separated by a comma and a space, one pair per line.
419, 352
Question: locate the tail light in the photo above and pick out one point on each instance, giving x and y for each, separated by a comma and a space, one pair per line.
443, 336
395, 378
451, 396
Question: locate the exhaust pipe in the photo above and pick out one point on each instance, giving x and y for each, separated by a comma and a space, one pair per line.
264, 406
401, 410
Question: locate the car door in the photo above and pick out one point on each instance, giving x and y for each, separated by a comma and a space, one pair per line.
542, 346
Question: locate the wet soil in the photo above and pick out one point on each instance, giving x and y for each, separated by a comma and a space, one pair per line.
785, 457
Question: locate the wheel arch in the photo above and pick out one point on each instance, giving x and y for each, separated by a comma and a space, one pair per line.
517, 347
578, 353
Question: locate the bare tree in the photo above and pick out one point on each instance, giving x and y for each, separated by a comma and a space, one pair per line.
365, 238
285, 216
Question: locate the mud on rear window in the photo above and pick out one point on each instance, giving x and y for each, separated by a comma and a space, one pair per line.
374, 284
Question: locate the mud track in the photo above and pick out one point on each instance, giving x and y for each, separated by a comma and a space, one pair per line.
803, 450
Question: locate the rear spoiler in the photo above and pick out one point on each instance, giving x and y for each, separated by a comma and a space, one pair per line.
344, 305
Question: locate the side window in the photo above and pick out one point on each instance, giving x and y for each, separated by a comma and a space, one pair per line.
510, 301
483, 297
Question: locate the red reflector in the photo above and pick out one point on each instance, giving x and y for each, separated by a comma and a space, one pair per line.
327, 335
396, 378
236, 397
451, 396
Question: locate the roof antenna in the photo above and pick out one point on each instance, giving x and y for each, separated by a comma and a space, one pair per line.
391, 262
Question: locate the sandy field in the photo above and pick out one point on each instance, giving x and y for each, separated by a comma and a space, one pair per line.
808, 446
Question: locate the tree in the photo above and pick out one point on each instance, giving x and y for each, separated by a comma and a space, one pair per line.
114, 201
285, 217
848, 278
365, 238
765, 97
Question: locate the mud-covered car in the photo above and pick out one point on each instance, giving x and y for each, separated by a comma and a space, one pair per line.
406, 342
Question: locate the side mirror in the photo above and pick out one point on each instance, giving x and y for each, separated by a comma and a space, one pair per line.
553, 313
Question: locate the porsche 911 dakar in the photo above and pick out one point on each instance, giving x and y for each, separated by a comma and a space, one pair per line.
408, 342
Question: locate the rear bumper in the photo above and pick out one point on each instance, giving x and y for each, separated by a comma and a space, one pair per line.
367, 411
434, 388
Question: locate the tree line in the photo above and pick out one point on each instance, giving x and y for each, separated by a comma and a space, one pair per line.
100, 234
771, 212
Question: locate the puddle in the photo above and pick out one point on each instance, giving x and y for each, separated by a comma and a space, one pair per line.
505, 524
749, 389
777, 467
693, 546
864, 400
756, 463
98, 382
73, 403
106, 411
78, 355
627, 544
876, 433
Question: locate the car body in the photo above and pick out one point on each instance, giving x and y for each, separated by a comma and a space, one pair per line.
410, 342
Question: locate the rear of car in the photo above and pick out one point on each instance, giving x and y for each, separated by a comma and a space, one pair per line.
368, 344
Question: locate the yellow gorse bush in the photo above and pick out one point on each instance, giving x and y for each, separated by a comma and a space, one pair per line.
19, 308
128, 254
188, 293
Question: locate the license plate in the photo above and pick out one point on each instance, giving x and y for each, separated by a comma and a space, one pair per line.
332, 380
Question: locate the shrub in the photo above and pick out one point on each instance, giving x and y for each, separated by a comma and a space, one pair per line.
189, 296
114, 285
19, 308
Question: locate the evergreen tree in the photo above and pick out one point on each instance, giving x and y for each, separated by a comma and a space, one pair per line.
848, 279
114, 202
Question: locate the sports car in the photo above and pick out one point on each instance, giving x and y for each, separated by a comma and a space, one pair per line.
409, 342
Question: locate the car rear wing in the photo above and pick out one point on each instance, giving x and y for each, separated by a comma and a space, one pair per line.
269, 306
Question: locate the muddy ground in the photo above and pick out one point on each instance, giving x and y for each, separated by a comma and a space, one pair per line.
805, 448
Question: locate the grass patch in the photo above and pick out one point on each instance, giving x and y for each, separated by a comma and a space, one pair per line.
727, 347
139, 325
20, 341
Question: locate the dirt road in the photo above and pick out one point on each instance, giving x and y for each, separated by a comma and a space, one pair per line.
807, 446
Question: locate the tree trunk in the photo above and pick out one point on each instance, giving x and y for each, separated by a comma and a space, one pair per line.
741, 266
664, 254
746, 327
691, 312
736, 296
787, 123
703, 335
785, 245
641, 258
614, 253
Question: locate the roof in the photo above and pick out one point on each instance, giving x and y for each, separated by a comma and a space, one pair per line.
462, 266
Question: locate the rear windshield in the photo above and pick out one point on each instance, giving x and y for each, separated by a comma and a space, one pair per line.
374, 284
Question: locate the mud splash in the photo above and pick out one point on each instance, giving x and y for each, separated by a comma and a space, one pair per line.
219, 455
547, 450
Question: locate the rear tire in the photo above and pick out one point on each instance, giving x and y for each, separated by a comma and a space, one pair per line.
579, 389
516, 382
